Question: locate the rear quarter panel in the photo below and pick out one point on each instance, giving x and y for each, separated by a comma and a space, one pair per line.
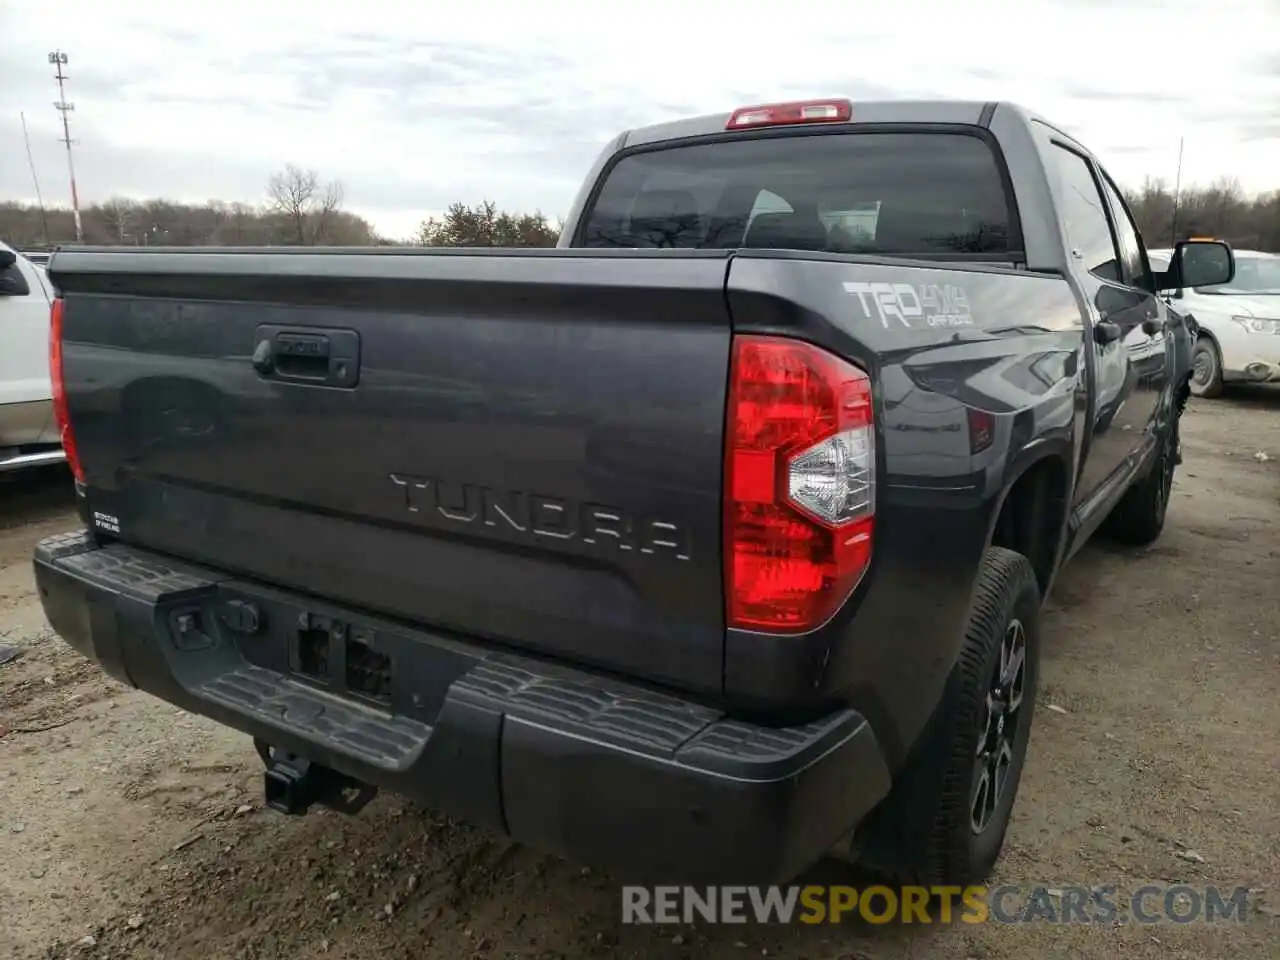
969, 338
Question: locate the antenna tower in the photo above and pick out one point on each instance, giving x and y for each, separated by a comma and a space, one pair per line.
65, 107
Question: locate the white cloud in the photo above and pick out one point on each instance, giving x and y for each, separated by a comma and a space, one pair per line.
413, 106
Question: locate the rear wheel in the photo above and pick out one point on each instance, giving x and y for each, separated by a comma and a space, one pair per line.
945, 819
1206, 369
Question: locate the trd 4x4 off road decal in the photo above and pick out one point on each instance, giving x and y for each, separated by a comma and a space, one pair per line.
930, 304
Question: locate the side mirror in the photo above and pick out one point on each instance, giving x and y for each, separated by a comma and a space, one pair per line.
13, 284
1198, 263
12, 281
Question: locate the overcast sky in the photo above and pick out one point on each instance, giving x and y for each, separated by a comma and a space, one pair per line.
415, 105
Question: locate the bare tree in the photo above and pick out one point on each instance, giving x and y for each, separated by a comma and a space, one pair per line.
307, 206
291, 191
235, 223
118, 215
326, 212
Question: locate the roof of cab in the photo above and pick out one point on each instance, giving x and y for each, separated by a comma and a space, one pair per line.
874, 111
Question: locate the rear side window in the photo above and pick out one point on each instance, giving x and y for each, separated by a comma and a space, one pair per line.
13, 283
906, 194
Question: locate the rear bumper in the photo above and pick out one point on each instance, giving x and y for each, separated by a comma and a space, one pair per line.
577, 764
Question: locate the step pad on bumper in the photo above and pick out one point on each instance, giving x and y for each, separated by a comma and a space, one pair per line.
130, 571
648, 721
386, 741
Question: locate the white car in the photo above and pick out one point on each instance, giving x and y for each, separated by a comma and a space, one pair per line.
1239, 323
28, 431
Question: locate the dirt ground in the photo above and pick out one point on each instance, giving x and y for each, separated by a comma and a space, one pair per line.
129, 829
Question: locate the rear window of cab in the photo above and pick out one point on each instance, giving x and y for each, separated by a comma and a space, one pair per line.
891, 194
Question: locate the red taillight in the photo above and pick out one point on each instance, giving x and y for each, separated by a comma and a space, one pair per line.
60, 413
982, 430
798, 111
799, 484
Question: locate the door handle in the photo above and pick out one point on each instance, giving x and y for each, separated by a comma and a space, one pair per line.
1104, 332
321, 357
264, 358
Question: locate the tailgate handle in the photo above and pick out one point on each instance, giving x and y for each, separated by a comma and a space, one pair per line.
328, 358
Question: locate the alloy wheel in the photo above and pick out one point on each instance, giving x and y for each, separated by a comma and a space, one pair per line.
1003, 715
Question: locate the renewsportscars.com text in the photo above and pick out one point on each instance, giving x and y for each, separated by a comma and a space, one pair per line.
1107, 904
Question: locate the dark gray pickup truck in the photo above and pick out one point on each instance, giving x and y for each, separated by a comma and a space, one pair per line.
705, 546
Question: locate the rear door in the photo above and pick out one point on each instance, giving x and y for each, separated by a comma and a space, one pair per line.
527, 449
1130, 363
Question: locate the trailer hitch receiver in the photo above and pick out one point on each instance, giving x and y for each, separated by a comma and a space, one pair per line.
293, 784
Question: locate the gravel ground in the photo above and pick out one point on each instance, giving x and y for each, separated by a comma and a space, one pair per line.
129, 829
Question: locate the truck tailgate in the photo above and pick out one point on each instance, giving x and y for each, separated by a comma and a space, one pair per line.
522, 448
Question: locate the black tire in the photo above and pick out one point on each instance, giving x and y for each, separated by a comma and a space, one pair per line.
1206, 369
1138, 519
924, 832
